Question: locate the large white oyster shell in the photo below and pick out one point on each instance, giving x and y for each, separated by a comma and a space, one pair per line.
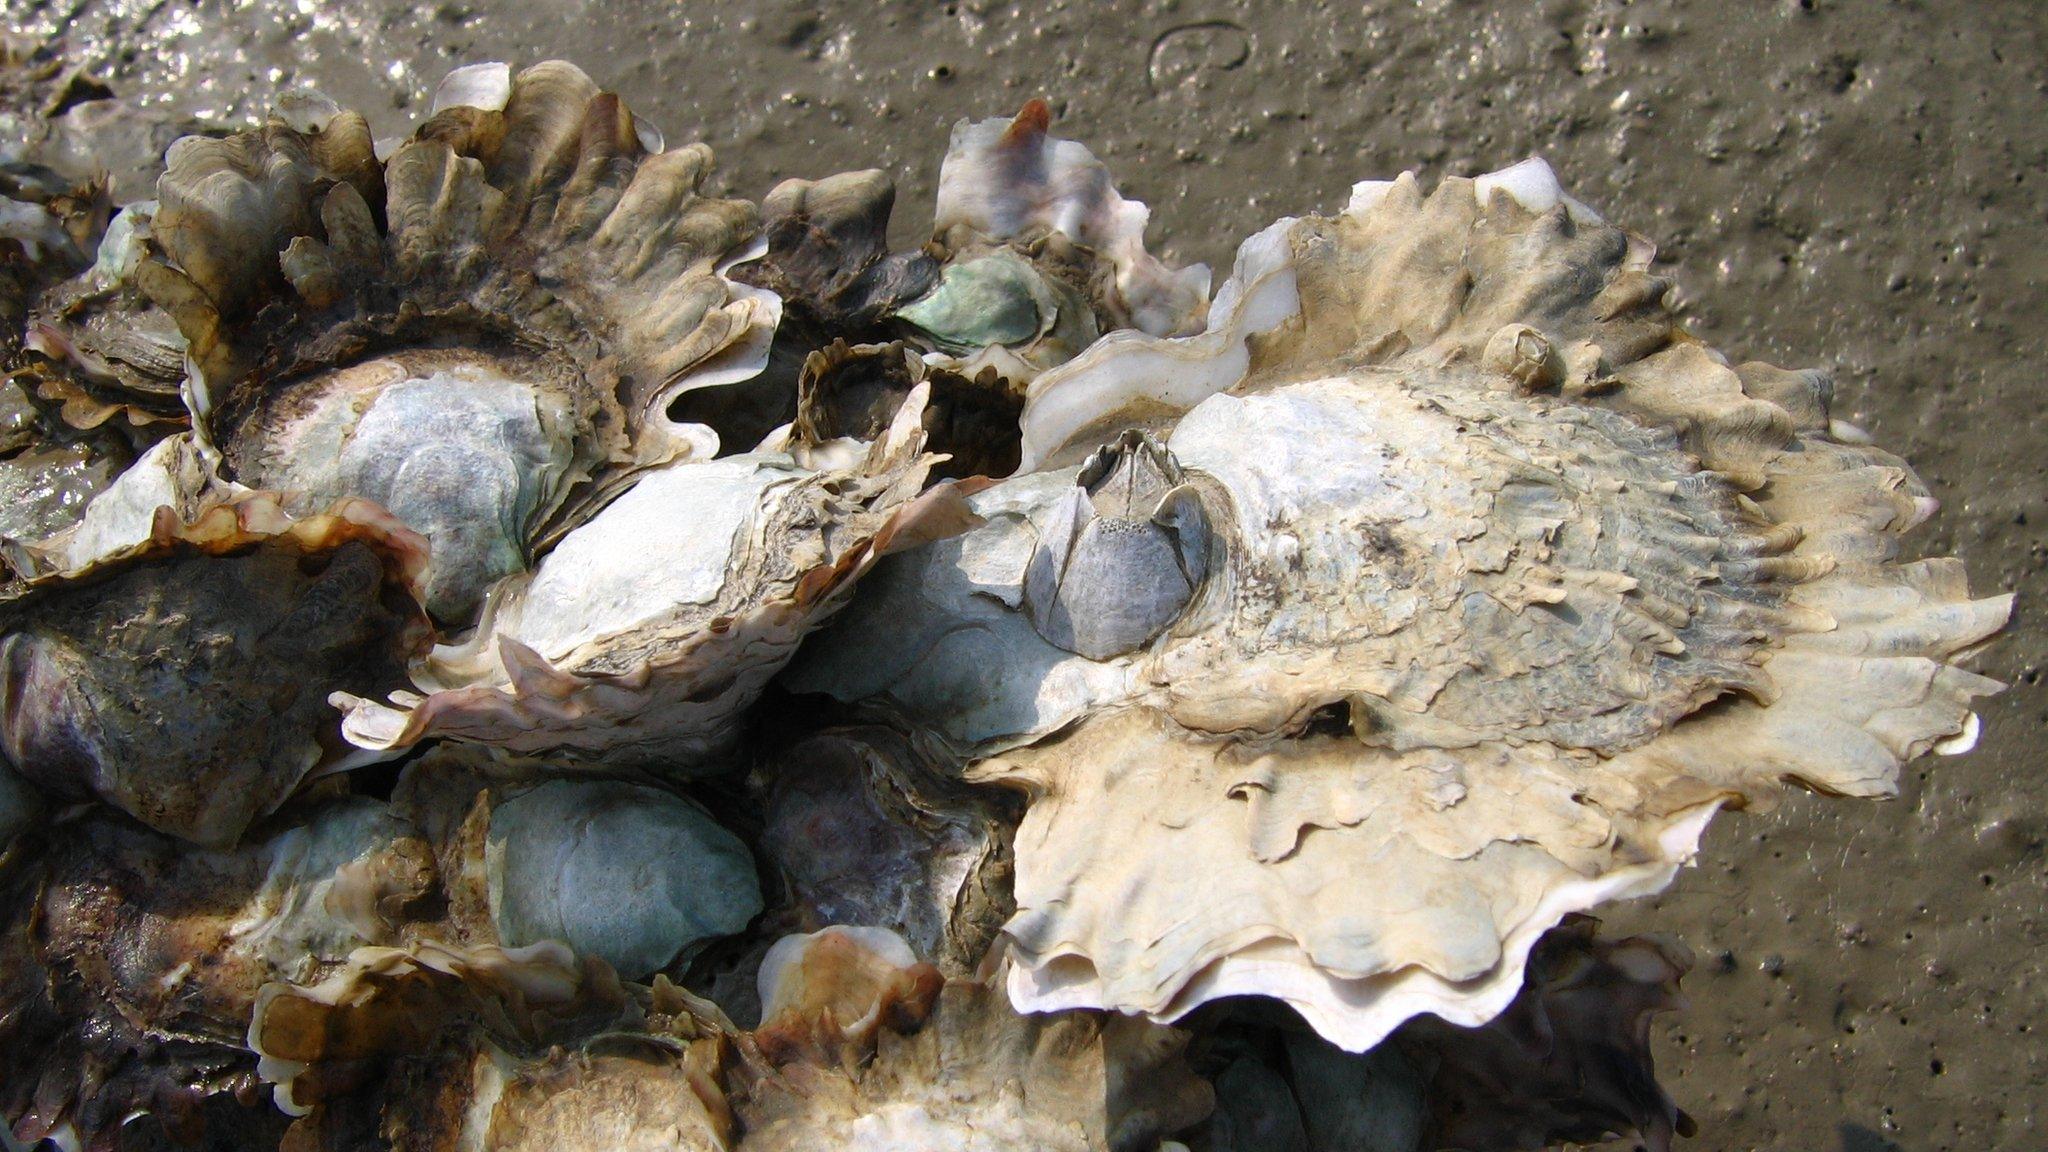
1492, 626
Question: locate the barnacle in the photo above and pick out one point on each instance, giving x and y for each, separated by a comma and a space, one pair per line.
1504, 618
575, 662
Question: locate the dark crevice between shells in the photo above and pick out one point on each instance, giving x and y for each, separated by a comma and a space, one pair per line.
828, 259
856, 389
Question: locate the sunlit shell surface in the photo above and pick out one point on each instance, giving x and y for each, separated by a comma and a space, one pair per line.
472, 332
1502, 584
501, 649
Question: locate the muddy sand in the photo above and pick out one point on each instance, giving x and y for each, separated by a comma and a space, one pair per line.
1844, 183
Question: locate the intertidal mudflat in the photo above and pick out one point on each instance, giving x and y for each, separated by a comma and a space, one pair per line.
1828, 187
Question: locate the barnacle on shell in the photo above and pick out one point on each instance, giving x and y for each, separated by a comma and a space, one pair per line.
1045, 706
1501, 628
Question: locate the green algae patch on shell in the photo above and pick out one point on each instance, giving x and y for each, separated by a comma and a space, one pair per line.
483, 332
184, 679
1507, 618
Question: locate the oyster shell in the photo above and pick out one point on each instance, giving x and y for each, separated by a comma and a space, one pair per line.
1509, 633
599, 866
1041, 255
1004, 181
184, 679
974, 1075
872, 828
103, 349
644, 635
1330, 643
483, 333
132, 961
829, 260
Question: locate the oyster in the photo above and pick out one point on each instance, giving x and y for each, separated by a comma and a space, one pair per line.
1042, 254
872, 828
979, 1077
643, 636
551, 849
482, 333
1232, 768
103, 349
1034, 255
132, 961
1507, 617
184, 680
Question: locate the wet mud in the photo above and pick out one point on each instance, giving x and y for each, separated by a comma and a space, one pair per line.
1843, 183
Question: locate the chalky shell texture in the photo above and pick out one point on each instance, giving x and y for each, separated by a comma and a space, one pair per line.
1331, 642
1470, 656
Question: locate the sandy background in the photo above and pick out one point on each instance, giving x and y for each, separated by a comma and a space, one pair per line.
1847, 183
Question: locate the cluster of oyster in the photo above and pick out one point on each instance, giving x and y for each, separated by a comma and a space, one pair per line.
505, 650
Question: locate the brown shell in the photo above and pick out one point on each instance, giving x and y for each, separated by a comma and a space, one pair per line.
184, 679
